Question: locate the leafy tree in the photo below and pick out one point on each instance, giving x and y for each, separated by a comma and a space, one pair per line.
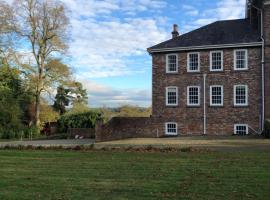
61, 100
43, 25
47, 114
73, 94
134, 111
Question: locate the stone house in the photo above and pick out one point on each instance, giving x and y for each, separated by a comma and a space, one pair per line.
215, 79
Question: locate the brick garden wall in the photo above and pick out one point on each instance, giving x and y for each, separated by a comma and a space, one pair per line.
128, 127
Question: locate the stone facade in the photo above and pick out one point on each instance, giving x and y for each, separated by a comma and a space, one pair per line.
267, 58
220, 120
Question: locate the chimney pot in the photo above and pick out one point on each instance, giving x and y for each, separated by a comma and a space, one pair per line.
175, 32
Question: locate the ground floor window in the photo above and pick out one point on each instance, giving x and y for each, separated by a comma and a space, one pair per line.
171, 128
240, 129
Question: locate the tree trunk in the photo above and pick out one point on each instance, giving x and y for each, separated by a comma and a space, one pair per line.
37, 110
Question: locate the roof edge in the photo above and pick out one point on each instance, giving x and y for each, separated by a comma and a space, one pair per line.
220, 46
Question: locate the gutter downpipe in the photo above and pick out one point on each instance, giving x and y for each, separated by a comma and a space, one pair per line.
204, 104
263, 75
263, 65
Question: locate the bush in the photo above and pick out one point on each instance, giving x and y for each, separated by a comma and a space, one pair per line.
32, 132
79, 120
267, 129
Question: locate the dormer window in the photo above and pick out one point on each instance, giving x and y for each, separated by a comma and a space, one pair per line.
193, 64
171, 63
240, 59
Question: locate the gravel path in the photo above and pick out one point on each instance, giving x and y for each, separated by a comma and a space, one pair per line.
54, 143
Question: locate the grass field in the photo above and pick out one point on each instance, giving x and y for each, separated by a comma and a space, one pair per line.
133, 175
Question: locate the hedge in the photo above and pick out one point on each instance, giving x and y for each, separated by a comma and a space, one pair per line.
78, 120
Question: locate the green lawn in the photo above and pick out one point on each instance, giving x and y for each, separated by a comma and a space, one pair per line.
133, 175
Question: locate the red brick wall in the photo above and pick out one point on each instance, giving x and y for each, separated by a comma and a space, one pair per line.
267, 59
126, 127
220, 120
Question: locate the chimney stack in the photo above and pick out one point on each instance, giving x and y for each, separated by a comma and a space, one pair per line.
175, 32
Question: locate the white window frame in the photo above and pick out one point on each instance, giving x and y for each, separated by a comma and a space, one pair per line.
188, 62
170, 87
235, 128
167, 63
166, 128
246, 57
222, 95
199, 96
211, 63
234, 95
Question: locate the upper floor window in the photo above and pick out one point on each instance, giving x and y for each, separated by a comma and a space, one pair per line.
240, 95
171, 96
240, 59
193, 62
216, 60
171, 63
193, 95
216, 95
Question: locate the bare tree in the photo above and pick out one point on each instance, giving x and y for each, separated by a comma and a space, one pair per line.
43, 25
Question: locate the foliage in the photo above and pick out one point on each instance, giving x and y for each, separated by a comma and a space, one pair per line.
125, 111
47, 114
61, 100
72, 93
267, 125
79, 120
42, 25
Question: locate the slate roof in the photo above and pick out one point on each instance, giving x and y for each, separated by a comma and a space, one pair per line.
217, 33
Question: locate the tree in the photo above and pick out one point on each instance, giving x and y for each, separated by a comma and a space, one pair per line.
61, 100
43, 24
73, 93
16, 90
47, 114
6, 19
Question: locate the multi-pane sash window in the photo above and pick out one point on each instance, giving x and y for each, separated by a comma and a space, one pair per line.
240, 95
193, 95
241, 129
171, 96
171, 128
193, 62
171, 63
240, 59
216, 61
216, 95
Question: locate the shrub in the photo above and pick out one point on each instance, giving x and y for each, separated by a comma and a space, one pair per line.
79, 120
267, 129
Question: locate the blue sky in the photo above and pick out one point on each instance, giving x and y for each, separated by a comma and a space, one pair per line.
109, 40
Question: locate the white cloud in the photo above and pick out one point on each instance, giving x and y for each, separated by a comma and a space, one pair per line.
190, 10
105, 95
224, 10
102, 43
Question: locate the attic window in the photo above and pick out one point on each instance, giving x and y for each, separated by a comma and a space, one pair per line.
193, 62
171, 63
